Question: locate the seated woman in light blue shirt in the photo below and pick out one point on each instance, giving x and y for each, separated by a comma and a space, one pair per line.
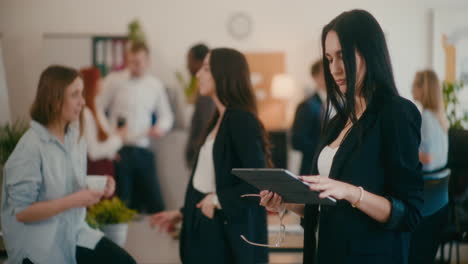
433, 153
44, 195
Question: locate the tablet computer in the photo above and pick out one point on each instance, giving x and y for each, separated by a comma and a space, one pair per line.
283, 182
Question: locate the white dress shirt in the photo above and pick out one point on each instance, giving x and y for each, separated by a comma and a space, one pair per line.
135, 99
99, 149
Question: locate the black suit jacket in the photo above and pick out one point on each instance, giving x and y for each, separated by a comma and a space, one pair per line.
380, 154
238, 144
306, 130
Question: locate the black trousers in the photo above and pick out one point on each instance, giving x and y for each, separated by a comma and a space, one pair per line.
137, 182
426, 238
212, 241
106, 251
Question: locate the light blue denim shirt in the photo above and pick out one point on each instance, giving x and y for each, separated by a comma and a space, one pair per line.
43, 169
434, 141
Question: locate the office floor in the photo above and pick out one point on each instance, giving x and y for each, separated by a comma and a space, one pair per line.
148, 246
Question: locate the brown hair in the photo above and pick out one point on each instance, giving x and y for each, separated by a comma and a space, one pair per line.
431, 94
234, 90
316, 68
91, 77
138, 46
47, 106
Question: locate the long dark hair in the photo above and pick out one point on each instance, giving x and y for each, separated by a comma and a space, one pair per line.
234, 90
359, 31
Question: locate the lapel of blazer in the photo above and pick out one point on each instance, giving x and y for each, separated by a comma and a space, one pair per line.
349, 145
220, 142
343, 153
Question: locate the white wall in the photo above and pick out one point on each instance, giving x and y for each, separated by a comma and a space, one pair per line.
172, 26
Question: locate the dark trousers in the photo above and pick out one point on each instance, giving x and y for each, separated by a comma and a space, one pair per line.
106, 251
213, 241
426, 238
137, 182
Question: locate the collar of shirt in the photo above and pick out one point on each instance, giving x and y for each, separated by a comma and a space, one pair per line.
46, 136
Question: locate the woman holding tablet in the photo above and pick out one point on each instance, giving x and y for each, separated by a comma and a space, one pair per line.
368, 156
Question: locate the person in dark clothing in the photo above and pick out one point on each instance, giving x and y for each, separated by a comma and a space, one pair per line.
204, 106
214, 215
307, 122
368, 157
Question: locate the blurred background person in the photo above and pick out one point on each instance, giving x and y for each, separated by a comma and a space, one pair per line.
433, 154
135, 98
307, 122
102, 146
204, 106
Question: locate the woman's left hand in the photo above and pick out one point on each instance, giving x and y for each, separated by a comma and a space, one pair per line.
207, 206
110, 187
332, 188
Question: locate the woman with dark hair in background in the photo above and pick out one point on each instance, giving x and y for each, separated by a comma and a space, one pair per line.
214, 214
44, 195
368, 155
433, 154
103, 146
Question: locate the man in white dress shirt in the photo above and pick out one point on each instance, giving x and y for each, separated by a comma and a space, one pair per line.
139, 100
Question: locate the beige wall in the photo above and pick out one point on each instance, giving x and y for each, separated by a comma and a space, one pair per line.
292, 27
172, 26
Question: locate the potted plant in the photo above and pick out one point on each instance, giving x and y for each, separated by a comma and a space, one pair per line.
458, 119
112, 217
135, 32
10, 134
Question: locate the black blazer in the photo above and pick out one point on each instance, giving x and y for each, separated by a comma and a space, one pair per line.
305, 132
384, 161
238, 144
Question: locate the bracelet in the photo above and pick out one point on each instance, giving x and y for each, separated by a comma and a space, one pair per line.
356, 204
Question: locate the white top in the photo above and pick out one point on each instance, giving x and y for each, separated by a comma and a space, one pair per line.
325, 160
99, 149
204, 179
324, 164
136, 99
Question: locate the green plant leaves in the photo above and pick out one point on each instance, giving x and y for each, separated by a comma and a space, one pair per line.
9, 137
452, 105
112, 211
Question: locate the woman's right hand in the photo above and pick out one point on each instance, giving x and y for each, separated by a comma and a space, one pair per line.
272, 201
85, 198
166, 220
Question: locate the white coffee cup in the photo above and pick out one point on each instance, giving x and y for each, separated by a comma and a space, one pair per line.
96, 182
